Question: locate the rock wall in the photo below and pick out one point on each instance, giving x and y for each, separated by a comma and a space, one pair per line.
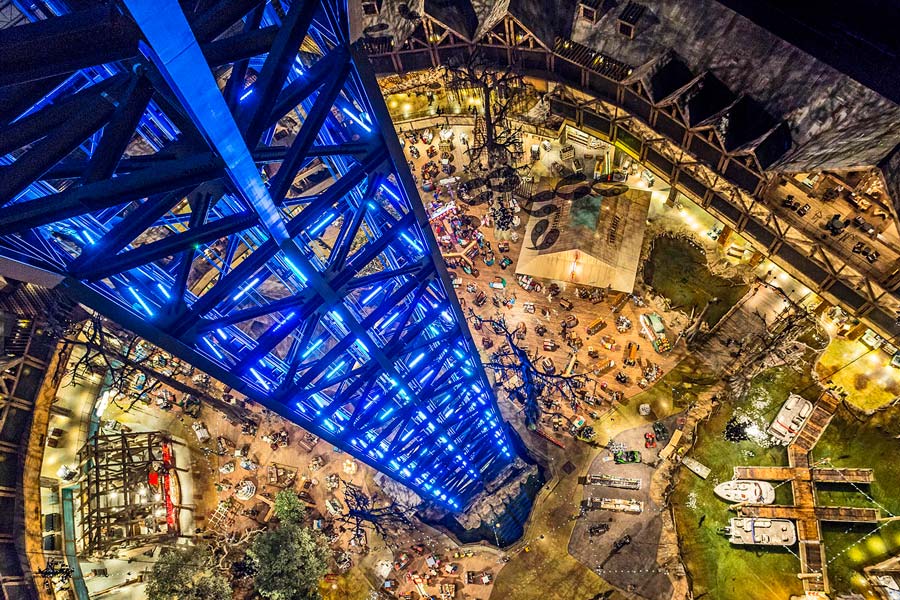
835, 121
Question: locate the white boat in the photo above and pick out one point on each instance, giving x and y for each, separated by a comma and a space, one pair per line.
790, 419
746, 490
762, 532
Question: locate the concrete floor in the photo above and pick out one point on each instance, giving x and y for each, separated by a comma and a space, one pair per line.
79, 398
820, 212
634, 567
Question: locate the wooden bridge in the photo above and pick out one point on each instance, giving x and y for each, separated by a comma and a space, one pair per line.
817, 422
808, 515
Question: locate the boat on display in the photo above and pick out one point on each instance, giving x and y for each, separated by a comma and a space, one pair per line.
761, 532
790, 419
746, 490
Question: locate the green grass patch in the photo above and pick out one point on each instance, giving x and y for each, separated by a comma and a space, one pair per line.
866, 376
352, 585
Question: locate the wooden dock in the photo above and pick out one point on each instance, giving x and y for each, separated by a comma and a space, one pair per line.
766, 473
813, 569
832, 514
816, 474
836, 475
803, 477
817, 422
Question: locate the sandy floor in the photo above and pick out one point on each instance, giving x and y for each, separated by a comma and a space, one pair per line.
584, 310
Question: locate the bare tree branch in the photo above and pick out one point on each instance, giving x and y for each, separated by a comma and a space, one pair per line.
537, 389
501, 90
123, 359
363, 515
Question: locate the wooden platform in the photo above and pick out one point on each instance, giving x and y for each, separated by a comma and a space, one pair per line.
813, 570
817, 422
767, 473
598, 241
835, 475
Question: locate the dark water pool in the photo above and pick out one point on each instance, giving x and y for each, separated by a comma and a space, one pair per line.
677, 269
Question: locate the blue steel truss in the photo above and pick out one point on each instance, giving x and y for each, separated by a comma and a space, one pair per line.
223, 179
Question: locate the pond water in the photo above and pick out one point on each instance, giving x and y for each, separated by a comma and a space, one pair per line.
720, 570
677, 269
872, 443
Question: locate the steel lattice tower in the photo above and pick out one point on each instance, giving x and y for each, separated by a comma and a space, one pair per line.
156, 161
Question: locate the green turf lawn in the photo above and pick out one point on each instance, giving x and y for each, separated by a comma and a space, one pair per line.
677, 389
868, 380
850, 443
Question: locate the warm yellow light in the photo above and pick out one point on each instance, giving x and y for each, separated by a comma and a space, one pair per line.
856, 554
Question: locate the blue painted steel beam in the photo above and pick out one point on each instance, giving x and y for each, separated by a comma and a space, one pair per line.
234, 87
253, 115
177, 55
331, 308
53, 207
169, 246
119, 131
